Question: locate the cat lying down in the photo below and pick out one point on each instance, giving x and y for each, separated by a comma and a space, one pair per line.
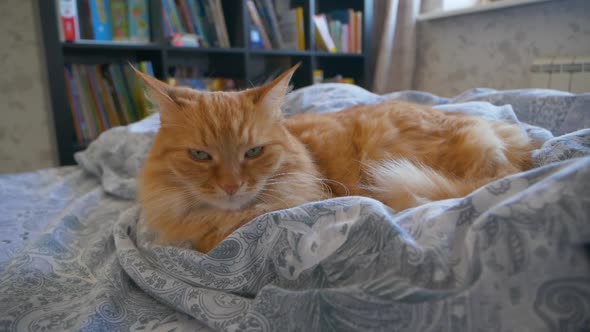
221, 159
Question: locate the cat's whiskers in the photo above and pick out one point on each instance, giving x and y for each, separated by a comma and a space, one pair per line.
322, 180
274, 194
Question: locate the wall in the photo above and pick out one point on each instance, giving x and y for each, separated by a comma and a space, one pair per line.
495, 49
26, 128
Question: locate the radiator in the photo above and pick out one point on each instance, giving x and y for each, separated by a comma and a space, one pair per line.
565, 73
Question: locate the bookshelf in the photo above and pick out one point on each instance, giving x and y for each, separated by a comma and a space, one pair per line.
238, 62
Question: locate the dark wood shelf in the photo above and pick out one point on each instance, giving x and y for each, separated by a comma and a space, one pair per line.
189, 49
239, 62
285, 52
110, 45
340, 55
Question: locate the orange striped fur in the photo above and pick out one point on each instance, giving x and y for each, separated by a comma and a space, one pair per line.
399, 153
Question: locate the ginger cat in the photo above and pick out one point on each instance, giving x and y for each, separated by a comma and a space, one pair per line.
221, 159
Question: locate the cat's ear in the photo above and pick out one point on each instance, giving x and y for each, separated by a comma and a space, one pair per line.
159, 92
270, 96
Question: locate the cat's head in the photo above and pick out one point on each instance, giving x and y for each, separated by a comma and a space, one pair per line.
220, 147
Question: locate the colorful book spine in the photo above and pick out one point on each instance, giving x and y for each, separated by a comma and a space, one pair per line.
107, 102
69, 19
74, 106
359, 34
175, 18
323, 32
83, 112
211, 26
134, 89
219, 23
273, 24
256, 20
101, 19
300, 29
185, 16
195, 16
99, 108
119, 20
352, 31
167, 15
114, 97
139, 21
87, 101
344, 38
122, 99
125, 91
255, 38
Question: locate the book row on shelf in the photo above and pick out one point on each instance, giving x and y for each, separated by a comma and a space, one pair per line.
104, 96
339, 31
105, 20
109, 95
197, 23
192, 77
202, 23
318, 77
275, 25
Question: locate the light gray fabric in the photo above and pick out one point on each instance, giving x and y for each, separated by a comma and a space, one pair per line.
508, 257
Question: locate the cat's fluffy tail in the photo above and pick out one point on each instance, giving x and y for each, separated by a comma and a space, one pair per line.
402, 184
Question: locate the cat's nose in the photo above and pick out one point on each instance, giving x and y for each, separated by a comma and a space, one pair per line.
230, 188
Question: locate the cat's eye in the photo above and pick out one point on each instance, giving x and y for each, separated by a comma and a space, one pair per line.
254, 152
199, 155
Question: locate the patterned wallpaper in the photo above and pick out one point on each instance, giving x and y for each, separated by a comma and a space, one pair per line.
26, 129
495, 49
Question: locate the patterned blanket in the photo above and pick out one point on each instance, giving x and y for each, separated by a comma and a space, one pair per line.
509, 257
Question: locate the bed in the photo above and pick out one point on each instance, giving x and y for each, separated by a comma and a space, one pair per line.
512, 256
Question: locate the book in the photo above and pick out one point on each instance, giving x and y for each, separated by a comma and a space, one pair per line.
112, 96
265, 20
104, 96
323, 33
220, 23
74, 106
256, 21
128, 92
139, 20
300, 29
119, 19
334, 26
273, 24
287, 20
85, 110
88, 100
68, 10
169, 28
101, 19
122, 98
98, 102
175, 18
255, 38
211, 23
85, 20
351, 31
359, 34
107, 102
195, 14
134, 91
344, 38
185, 16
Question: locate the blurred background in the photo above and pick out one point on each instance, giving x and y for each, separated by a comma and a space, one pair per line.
65, 74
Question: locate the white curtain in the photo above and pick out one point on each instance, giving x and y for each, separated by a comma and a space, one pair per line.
395, 42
